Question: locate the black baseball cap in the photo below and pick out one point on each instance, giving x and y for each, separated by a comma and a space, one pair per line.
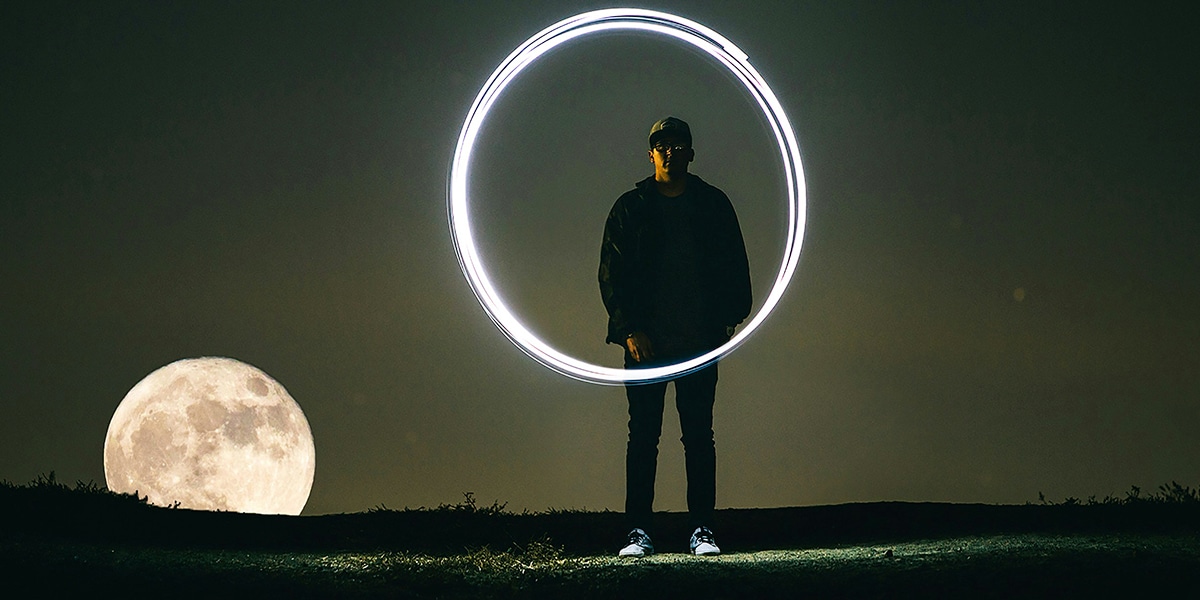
670, 126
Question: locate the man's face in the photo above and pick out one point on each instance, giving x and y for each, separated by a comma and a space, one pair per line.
671, 155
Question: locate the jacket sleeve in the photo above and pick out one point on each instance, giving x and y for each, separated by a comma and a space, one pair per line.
616, 275
738, 299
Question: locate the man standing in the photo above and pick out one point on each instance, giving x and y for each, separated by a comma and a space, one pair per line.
675, 280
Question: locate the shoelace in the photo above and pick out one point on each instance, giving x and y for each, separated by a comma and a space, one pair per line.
705, 536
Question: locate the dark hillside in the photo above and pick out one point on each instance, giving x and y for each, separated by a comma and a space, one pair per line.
50, 510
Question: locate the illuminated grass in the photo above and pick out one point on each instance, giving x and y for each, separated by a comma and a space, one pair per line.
1027, 564
57, 541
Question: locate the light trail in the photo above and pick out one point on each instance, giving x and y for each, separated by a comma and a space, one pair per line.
726, 53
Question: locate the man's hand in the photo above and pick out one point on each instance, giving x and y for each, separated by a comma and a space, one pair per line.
639, 346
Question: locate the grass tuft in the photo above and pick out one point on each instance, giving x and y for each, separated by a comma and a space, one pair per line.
1168, 493
467, 506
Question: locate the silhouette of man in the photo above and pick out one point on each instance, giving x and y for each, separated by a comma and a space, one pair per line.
676, 282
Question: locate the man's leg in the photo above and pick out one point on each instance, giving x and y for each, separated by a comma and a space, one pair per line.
641, 455
695, 395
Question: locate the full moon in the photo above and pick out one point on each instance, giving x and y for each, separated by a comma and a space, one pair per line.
211, 434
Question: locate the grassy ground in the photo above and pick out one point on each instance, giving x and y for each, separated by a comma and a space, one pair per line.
56, 542
1024, 565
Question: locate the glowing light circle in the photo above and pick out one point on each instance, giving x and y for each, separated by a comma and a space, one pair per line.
560, 33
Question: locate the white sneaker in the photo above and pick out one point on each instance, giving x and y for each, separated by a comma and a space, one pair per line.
639, 545
703, 543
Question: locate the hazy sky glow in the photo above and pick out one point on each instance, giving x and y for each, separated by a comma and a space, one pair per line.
997, 294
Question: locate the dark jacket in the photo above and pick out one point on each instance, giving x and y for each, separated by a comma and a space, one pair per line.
631, 248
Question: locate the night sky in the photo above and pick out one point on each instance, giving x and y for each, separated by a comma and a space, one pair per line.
997, 294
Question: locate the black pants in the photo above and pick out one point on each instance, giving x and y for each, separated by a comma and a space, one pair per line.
694, 397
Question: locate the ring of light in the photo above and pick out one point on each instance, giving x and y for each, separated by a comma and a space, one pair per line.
560, 33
